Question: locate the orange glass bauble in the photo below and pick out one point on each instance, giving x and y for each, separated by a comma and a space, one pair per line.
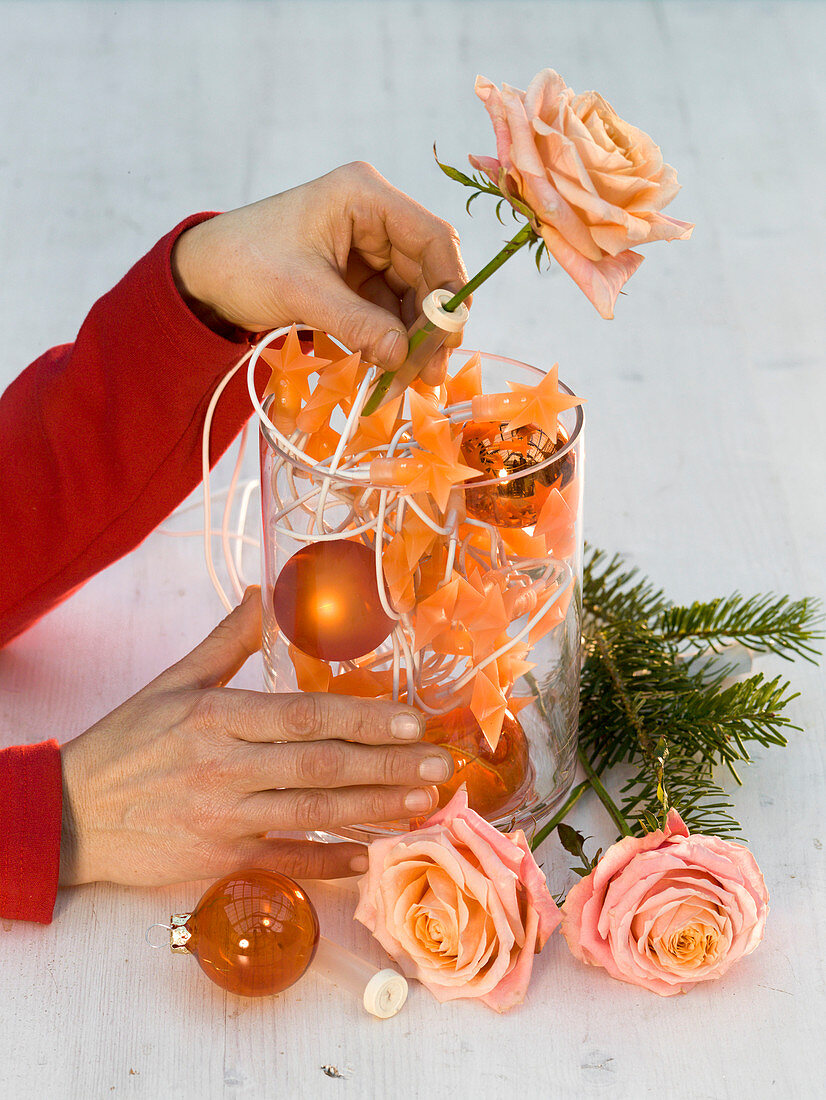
253, 932
499, 454
326, 601
496, 779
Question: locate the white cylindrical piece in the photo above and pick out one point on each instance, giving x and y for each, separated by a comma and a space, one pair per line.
382, 992
433, 309
437, 324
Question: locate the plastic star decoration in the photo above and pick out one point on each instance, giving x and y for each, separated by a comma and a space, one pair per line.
292, 362
435, 614
310, 673
398, 575
364, 683
481, 609
512, 665
543, 404
488, 704
374, 432
466, 383
425, 472
556, 523
552, 617
338, 380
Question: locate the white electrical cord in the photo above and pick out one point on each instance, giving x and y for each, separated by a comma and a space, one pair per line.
207, 532
442, 677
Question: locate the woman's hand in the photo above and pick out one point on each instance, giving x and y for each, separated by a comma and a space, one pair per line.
346, 253
184, 779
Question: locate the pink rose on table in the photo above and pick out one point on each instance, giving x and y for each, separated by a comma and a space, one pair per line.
594, 184
460, 906
667, 910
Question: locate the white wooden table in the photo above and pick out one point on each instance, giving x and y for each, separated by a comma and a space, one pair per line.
706, 468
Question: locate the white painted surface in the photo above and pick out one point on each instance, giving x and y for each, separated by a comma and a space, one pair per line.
707, 467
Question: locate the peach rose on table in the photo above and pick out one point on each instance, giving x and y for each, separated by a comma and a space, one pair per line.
594, 184
460, 906
667, 910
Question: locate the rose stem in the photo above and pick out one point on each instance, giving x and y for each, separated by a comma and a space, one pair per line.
514, 244
570, 802
593, 779
525, 234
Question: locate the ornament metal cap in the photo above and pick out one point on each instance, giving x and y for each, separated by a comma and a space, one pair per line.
178, 933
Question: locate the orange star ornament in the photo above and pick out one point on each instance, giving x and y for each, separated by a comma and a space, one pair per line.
540, 404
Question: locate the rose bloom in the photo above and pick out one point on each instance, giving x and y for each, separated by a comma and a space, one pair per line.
667, 910
594, 183
460, 906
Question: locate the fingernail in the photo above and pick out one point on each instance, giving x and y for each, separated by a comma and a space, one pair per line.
388, 347
249, 592
359, 864
434, 769
418, 800
406, 727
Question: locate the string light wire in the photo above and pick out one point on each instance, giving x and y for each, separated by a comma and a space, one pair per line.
443, 676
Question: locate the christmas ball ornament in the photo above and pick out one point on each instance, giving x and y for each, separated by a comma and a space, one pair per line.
253, 932
517, 500
496, 779
326, 601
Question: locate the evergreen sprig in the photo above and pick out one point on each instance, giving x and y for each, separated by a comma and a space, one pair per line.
766, 624
653, 702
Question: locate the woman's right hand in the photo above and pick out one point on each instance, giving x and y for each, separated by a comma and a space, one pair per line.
183, 780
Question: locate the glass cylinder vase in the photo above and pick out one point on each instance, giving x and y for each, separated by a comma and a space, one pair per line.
463, 598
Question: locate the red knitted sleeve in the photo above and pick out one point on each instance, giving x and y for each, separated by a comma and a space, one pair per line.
99, 441
31, 798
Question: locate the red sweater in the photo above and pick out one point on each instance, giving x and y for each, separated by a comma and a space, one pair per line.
99, 441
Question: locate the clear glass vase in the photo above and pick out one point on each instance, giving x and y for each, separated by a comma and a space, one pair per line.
467, 606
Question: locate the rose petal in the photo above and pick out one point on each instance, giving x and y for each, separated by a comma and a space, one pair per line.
600, 282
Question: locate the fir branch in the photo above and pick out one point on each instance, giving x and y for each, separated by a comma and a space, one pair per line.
701, 802
766, 624
650, 703
634, 711
608, 595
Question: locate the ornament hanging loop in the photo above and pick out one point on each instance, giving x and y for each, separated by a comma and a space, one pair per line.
149, 938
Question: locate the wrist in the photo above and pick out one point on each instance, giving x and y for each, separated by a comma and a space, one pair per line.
189, 271
75, 862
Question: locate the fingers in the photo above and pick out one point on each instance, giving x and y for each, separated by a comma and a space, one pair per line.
217, 659
434, 373
303, 858
361, 325
391, 234
305, 716
319, 808
391, 216
339, 764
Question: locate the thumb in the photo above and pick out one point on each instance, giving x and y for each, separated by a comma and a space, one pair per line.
361, 325
302, 858
216, 660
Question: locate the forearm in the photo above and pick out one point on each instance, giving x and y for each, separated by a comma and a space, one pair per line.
100, 440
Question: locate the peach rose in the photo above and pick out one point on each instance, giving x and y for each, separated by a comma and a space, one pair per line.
667, 910
459, 906
594, 184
